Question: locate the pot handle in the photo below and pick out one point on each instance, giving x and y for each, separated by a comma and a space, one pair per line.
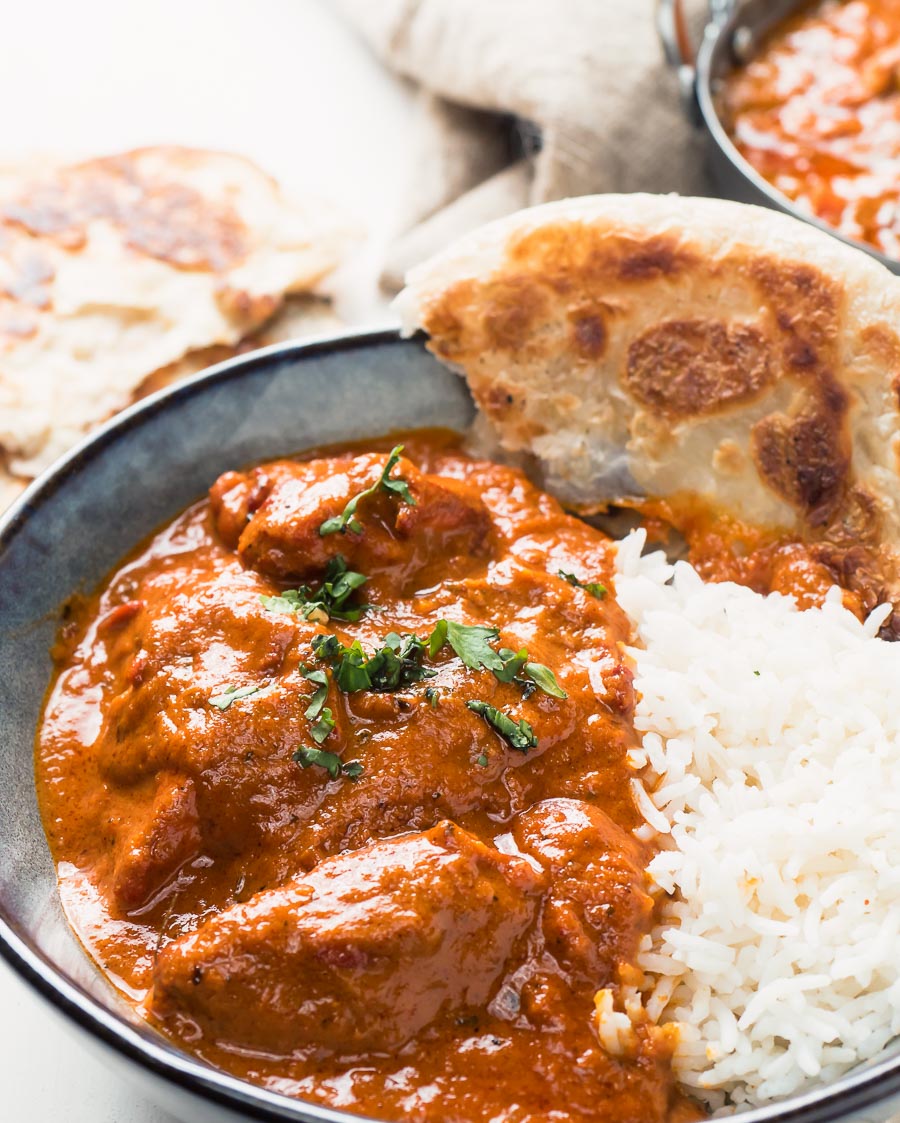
671, 26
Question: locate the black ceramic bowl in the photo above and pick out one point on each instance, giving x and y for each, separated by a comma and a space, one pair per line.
68, 531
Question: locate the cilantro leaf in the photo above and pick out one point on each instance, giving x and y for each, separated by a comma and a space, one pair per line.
306, 757
291, 600
347, 520
512, 663
328, 601
320, 681
396, 664
323, 726
352, 671
326, 646
340, 583
437, 639
593, 587
545, 679
399, 487
232, 694
519, 735
469, 641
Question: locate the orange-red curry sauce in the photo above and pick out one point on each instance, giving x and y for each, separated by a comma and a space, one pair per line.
817, 113
414, 924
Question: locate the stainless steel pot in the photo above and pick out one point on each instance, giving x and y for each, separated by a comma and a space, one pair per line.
732, 34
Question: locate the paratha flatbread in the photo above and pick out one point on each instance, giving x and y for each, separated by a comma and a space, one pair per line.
738, 364
115, 268
299, 316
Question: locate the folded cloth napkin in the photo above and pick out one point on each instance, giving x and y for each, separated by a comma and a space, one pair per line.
594, 106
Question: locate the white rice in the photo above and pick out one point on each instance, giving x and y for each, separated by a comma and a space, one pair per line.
770, 762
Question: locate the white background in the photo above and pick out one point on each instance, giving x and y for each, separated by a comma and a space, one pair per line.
281, 81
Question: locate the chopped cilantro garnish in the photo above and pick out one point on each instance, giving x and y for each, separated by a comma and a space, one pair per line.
396, 664
437, 639
471, 644
291, 600
328, 601
320, 681
400, 661
593, 587
339, 580
545, 679
232, 694
347, 520
326, 646
519, 734
323, 726
512, 663
306, 757
482, 760
352, 671
432, 696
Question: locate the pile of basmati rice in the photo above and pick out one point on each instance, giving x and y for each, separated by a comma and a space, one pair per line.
771, 755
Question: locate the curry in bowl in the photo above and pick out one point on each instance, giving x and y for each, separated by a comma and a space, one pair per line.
334, 769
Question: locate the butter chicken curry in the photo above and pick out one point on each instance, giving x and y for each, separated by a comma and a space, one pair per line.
334, 769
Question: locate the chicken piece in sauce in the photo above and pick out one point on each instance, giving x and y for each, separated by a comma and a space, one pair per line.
272, 516
360, 954
596, 902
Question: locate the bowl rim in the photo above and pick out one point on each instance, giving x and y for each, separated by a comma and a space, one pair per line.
829, 1102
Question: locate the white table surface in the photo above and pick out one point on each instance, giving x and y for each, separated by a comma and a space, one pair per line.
281, 81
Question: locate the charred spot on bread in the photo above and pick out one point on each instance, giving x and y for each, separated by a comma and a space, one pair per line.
169, 221
567, 255
589, 334
690, 368
498, 400
656, 257
512, 306
804, 459
446, 322
806, 305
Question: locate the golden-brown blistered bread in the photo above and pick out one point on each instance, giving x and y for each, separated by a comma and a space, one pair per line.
117, 267
735, 363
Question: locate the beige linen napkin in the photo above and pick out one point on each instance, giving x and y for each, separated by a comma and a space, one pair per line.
584, 80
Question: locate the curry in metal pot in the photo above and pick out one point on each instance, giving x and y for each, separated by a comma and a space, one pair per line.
817, 114
334, 770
